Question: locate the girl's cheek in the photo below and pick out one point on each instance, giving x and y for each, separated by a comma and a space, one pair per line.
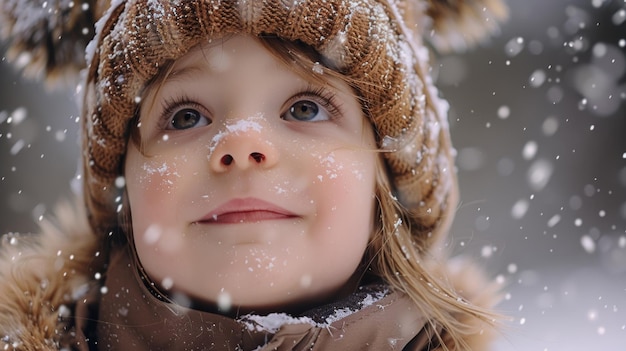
160, 239
157, 176
343, 166
151, 185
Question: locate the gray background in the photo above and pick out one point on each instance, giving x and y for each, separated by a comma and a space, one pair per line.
540, 129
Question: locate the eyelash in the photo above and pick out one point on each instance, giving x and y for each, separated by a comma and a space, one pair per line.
327, 99
171, 105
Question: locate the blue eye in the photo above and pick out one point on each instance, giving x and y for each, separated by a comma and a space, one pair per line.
306, 111
187, 118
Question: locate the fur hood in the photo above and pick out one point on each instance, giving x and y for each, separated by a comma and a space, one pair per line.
43, 277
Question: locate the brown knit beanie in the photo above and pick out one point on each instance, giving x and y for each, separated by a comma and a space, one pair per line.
374, 42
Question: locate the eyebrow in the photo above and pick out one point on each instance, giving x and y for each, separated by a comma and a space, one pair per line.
189, 71
186, 72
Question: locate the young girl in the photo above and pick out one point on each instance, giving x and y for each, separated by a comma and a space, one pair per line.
258, 175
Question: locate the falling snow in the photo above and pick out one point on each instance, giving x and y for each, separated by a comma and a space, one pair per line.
548, 170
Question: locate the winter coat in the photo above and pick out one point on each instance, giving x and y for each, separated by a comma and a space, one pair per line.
60, 290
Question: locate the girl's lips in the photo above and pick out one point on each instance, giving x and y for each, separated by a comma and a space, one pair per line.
245, 211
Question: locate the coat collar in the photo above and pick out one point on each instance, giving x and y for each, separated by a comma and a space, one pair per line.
130, 314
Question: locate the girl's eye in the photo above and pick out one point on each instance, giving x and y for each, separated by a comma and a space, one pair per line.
187, 118
306, 111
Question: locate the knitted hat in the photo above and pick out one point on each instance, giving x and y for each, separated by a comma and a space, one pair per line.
374, 42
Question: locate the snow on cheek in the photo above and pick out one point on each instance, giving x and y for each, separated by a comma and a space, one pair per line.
358, 170
283, 188
330, 168
158, 175
334, 168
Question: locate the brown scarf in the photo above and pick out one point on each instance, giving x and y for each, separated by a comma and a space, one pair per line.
130, 317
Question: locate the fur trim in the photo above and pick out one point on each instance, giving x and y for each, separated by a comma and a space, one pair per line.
457, 25
40, 276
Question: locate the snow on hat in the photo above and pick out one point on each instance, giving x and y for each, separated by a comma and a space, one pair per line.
376, 43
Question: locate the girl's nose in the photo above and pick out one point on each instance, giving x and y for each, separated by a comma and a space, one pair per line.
243, 149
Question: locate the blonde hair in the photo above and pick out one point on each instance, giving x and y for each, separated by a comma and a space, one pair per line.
399, 254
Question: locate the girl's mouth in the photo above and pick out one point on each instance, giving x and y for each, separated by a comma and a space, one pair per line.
246, 210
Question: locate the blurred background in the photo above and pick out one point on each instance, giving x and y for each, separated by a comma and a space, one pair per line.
538, 117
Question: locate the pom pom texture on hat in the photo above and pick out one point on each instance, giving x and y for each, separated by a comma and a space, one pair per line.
47, 39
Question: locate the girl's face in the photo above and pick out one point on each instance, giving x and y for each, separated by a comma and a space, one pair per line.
255, 186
